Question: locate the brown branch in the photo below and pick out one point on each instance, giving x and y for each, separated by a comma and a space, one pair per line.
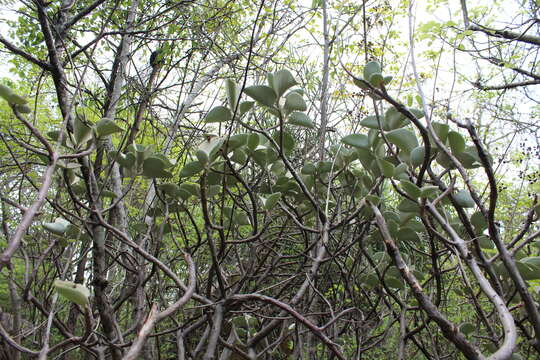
314, 329
155, 317
506, 86
506, 34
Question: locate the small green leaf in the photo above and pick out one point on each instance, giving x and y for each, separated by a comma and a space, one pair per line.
411, 189
457, 143
288, 141
108, 194
417, 113
270, 202
441, 130
208, 149
376, 79
408, 206
370, 122
245, 106
469, 158
241, 218
191, 188
394, 119
463, 198
529, 271
126, 161
17, 99
360, 84
404, 139
429, 191
262, 94
308, 168
218, 114
5, 92
105, 127
294, 101
237, 141
467, 328
386, 167
154, 167
169, 188
407, 234
324, 166
444, 160
239, 156
371, 68
370, 279
393, 282
58, 227
213, 190
191, 169
76, 293
417, 156
283, 80
485, 242
401, 169
253, 141
233, 93
479, 221
82, 132
300, 119
356, 140
374, 199
532, 260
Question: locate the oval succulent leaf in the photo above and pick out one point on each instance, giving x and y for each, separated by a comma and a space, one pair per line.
191, 169
283, 80
17, 99
411, 189
294, 101
271, 201
370, 122
466, 328
386, 167
441, 130
371, 68
300, 119
106, 127
76, 293
404, 139
485, 242
58, 227
457, 143
218, 114
463, 198
153, 167
190, 189
83, 132
356, 140
5, 92
417, 156
245, 106
376, 79
233, 93
262, 94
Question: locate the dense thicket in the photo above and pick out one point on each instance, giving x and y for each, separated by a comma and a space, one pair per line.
269, 180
